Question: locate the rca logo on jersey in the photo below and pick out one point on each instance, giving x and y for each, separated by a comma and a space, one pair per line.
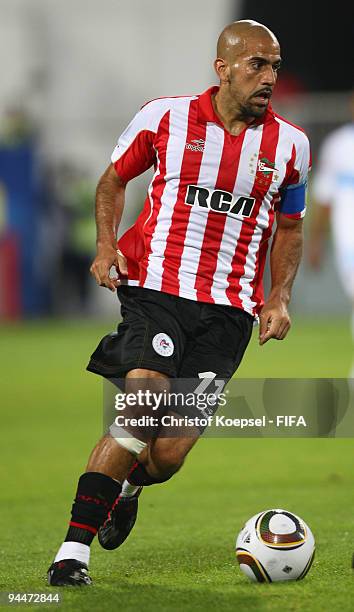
220, 201
198, 145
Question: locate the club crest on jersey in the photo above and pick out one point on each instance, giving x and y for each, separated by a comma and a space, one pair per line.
264, 167
196, 145
219, 201
163, 345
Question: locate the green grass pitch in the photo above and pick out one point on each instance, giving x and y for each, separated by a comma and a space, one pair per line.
181, 555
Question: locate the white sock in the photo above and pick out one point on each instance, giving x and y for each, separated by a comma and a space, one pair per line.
128, 490
74, 550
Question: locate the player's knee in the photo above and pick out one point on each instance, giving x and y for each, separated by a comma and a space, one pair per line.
167, 461
143, 373
143, 380
142, 383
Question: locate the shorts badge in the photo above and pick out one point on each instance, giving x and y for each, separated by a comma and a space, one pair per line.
163, 345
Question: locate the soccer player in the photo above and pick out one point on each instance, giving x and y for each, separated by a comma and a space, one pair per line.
190, 269
333, 194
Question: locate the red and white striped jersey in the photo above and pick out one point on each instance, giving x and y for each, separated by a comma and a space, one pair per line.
204, 229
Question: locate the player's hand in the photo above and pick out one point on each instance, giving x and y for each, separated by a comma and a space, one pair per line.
107, 256
274, 321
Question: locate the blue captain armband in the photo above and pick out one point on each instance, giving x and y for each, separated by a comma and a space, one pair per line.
293, 201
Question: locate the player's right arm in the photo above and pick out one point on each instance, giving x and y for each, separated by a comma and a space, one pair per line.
110, 196
133, 154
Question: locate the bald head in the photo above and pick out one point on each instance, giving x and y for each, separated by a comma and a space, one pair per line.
247, 64
234, 38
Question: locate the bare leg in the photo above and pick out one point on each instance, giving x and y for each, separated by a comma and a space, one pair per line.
160, 459
108, 457
98, 489
167, 455
111, 459
164, 455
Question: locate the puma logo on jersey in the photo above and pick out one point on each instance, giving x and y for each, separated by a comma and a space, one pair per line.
198, 145
219, 201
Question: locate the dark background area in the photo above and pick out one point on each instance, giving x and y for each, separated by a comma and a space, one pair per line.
317, 40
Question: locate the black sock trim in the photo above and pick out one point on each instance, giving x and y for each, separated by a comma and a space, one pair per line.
94, 498
139, 476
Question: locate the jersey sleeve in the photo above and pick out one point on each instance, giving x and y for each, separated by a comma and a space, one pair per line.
294, 189
135, 151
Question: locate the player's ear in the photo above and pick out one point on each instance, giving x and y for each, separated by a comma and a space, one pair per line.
222, 70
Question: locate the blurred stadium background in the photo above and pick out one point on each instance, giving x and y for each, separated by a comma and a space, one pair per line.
72, 75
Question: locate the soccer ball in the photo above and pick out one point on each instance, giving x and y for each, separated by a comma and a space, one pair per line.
275, 545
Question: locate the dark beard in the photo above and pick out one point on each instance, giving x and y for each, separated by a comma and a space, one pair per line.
251, 111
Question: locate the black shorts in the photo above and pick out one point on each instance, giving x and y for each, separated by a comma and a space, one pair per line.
172, 335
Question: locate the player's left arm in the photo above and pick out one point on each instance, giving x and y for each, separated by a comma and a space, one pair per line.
285, 257
287, 245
